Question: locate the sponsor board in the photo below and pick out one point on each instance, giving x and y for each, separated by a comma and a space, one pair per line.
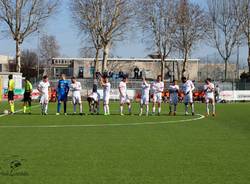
238, 95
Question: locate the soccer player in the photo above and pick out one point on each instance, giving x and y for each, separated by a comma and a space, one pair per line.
27, 95
62, 94
11, 89
188, 88
209, 89
157, 88
173, 101
94, 101
145, 87
43, 88
124, 99
76, 88
106, 94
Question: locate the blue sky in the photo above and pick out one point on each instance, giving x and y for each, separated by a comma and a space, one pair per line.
61, 25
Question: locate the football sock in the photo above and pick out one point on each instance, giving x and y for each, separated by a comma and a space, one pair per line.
42, 108
74, 108
175, 108
154, 109
141, 109
108, 109
129, 108
58, 107
186, 108
121, 109
46, 108
65, 107
105, 109
213, 108
80, 106
12, 108
192, 106
147, 109
207, 107
159, 110
170, 108
24, 109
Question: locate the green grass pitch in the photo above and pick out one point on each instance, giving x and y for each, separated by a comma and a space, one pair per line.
206, 151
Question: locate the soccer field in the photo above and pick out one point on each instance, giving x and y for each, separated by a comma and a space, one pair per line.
126, 150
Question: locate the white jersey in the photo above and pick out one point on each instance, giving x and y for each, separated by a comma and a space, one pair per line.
173, 90
95, 96
145, 87
44, 88
76, 89
123, 89
157, 87
188, 87
106, 90
209, 90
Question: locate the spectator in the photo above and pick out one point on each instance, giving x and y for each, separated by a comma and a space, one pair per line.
136, 72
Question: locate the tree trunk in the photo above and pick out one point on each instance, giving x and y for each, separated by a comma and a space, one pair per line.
184, 65
96, 64
18, 56
162, 68
105, 57
225, 72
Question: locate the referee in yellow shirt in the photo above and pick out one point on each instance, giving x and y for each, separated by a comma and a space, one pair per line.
11, 89
27, 96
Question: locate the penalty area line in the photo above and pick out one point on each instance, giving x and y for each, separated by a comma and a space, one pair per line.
108, 125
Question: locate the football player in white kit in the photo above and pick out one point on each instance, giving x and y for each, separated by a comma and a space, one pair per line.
94, 101
157, 89
188, 88
145, 87
43, 88
174, 98
209, 89
75, 88
124, 99
106, 94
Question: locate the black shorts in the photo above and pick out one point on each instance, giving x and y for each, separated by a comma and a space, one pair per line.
10, 95
26, 97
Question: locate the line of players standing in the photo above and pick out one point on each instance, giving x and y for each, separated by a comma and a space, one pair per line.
157, 87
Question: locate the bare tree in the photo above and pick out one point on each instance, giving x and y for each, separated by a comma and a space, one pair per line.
242, 8
87, 15
114, 24
157, 19
24, 17
191, 28
48, 49
225, 28
103, 21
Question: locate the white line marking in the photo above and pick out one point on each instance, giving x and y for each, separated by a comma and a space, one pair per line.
20, 110
106, 125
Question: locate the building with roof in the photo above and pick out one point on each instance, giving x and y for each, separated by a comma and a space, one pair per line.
84, 67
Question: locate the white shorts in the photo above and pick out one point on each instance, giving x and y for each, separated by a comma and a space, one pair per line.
144, 100
44, 99
157, 98
173, 100
124, 100
209, 98
76, 99
188, 98
106, 100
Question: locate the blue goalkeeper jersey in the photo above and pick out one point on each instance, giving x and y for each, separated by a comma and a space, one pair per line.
63, 87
